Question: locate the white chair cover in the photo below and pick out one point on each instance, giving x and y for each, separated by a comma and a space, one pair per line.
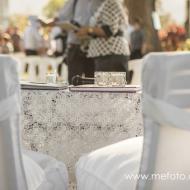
12, 174
109, 167
166, 101
166, 92
18, 171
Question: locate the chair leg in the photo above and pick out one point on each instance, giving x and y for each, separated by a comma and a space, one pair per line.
37, 70
26, 68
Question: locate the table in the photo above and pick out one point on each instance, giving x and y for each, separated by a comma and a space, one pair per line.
68, 124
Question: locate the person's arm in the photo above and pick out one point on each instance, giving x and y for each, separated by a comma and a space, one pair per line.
65, 14
91, 31
50, 23
111, 15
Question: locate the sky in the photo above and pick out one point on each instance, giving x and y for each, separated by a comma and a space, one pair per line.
175, 7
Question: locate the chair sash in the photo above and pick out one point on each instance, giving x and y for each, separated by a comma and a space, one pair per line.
164, 113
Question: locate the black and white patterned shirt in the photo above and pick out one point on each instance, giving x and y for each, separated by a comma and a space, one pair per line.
111, 17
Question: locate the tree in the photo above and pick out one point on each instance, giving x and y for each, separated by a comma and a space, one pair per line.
187, 23
19, 21
143, 9
53, 7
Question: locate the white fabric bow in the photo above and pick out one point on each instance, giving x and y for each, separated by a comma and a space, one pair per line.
165, 113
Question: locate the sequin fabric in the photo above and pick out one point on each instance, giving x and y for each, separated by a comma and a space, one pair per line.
67, 125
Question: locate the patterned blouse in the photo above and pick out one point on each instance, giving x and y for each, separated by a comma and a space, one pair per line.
111, 18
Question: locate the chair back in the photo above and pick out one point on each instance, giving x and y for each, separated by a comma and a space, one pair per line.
166, 103
136, 67
12, 175
42, 65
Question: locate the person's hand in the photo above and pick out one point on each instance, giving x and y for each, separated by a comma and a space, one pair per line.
82, 32
43, 24
51, 23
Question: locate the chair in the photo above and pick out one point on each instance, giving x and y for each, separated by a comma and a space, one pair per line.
140, 164
18, 170
22, 63
136, 66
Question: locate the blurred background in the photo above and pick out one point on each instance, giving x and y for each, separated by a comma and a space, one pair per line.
166, 21
165, 25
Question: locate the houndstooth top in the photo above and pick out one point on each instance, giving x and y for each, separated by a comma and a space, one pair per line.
111, 17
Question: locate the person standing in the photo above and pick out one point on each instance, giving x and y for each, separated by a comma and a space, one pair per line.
33, 40
78, 12
16, 39
137, 41
78, 62
108, 46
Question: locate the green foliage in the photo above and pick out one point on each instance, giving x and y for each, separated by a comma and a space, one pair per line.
53, 7
19, 21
